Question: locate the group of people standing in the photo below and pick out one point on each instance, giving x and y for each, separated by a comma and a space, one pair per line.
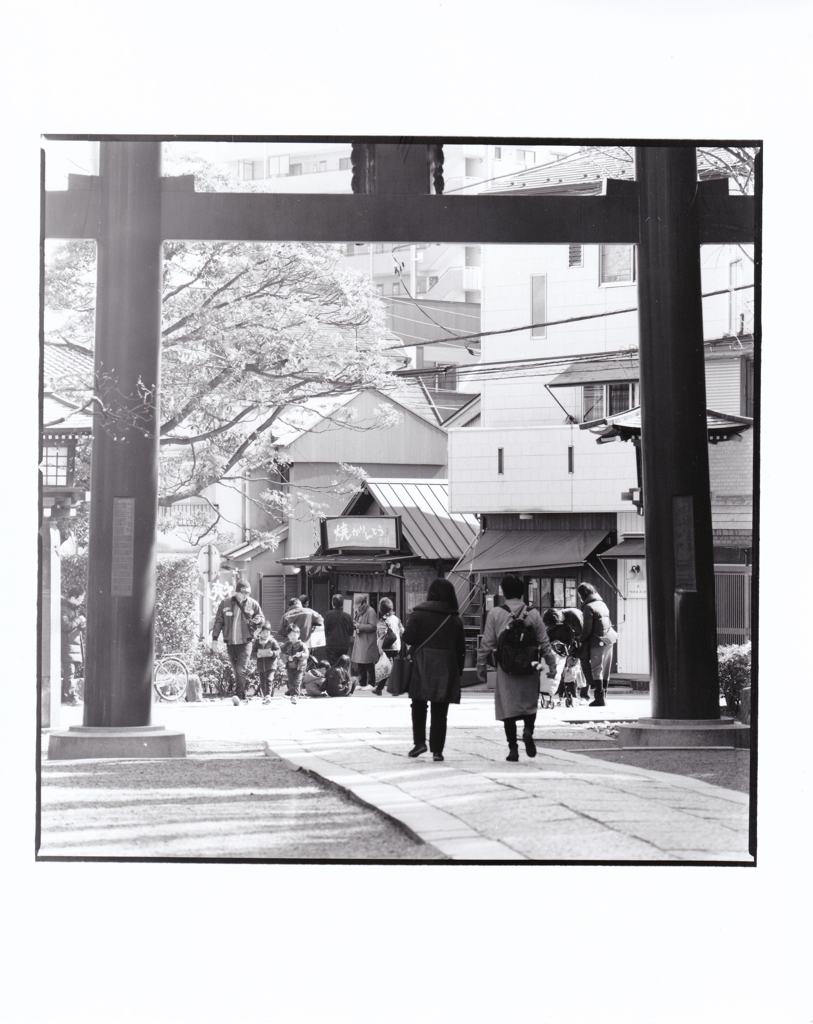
519, 640
317, 652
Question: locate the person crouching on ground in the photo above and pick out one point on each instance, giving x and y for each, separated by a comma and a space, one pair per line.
435, 633
266, 651
295, 655
597, 640
338, 682
515, 696
315, 682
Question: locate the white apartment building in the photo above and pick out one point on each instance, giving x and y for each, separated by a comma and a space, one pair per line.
526, 464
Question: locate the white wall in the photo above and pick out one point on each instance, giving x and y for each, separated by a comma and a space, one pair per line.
536, 477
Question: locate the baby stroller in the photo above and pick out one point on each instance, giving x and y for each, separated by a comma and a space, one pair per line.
569, 676
549, 685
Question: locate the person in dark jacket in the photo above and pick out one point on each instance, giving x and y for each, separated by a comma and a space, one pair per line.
338, 631
239, 619
597, 639
434, 631
515, 696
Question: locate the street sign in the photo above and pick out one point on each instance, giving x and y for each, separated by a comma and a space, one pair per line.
209, 562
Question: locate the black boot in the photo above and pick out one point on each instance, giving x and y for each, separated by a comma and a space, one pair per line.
599, 699
513, 752
530, 746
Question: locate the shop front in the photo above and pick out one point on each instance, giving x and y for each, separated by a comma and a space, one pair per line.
552, 563
392, 540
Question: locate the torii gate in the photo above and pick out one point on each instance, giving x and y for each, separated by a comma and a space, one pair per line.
129, 209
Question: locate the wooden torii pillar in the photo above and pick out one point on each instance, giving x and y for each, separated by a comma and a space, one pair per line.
129, 209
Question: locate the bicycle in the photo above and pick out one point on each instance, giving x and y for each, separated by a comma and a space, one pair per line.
170, 678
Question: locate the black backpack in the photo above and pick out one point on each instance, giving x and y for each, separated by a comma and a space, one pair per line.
517, 647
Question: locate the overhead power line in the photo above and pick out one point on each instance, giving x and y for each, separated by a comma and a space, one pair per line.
548, 323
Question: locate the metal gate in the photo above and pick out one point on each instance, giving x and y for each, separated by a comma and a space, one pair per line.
732, 593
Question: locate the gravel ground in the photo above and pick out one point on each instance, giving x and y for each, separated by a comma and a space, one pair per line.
223, 800
730, 769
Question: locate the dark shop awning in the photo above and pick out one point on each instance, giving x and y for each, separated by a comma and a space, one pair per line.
500, 551
630, 547
621, 369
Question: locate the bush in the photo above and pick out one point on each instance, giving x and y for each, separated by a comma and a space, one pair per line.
176, 606
734, 672
215, 671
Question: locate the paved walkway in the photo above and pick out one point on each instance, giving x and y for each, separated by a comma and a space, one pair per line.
560, 806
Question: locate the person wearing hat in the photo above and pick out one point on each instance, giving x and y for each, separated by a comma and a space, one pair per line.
239, 619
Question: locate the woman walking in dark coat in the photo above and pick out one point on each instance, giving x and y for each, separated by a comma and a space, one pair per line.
434, 631
597, 639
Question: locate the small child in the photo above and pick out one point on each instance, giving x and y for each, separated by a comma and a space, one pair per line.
267, 653
315, 679
295, 655
337, 679
574, 620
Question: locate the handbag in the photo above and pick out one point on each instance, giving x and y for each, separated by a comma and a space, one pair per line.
402, 666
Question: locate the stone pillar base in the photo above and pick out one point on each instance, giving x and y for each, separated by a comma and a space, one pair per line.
81, 741
680, 732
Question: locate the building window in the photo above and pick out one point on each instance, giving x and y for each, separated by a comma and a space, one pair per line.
498, 152
323, 165
528, 156
379, 289
735, 314
345, 163
538, 305
551, 592
56, 466
500, 462
617, 264
747, 403
396, 288
575, 255
600, 400
295, 169
246, 170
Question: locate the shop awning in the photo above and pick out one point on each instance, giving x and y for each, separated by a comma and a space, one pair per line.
499, 551
630, 547
621, 369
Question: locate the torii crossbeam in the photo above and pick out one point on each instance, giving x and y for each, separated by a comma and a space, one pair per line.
129, 209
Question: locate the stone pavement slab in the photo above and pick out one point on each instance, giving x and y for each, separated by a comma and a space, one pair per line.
559, 806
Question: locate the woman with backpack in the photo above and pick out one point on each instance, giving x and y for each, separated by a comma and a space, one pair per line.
517, 636
435, 633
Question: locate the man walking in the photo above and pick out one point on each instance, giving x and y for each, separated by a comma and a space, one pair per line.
239, 619
338, 630
305, 619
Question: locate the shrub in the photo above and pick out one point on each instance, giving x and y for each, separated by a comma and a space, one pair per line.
176, 606
215, 671
734, 672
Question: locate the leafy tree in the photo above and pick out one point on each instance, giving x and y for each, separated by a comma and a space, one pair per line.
248, 331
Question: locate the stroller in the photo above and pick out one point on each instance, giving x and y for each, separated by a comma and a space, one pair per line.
569, 676
549, 685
